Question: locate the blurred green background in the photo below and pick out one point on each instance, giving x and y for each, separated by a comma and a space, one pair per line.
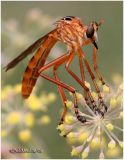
110, 59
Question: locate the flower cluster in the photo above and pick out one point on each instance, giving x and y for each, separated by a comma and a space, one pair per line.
98, 137
20, 116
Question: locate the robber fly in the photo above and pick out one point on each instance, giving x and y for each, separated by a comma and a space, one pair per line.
74, 34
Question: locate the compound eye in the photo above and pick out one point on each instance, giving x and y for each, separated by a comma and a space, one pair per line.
68, 19
90, 31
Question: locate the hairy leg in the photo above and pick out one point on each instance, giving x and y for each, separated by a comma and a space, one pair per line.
104, 107
62, 85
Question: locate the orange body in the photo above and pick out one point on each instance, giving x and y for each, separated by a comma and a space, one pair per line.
72, 32
37, 61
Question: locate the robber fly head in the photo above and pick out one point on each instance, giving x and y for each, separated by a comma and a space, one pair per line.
91, 32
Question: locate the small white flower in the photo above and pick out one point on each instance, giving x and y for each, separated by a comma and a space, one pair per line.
101, 133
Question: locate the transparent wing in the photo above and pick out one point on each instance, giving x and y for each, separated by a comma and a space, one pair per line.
28, 51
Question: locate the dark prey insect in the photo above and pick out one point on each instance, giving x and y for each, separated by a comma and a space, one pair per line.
72, 32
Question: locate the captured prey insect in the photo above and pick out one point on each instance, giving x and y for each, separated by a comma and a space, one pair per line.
72, 32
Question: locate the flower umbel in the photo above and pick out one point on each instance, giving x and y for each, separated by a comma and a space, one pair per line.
98, 133
19, 117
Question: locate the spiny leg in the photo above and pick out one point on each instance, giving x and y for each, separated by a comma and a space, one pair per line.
60, 89
96, 67
70, 89
63, 98
94, 106
103, 110
104, 107
63, 85
83, 79
56, 63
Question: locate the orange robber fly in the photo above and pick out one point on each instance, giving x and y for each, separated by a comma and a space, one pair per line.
72, 32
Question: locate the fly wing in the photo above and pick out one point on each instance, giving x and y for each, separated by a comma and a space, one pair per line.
37, 61
28, 51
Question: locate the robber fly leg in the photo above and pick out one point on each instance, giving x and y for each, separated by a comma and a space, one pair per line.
103, 106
